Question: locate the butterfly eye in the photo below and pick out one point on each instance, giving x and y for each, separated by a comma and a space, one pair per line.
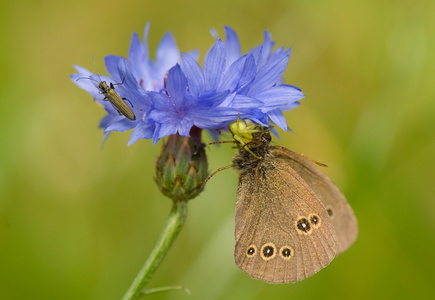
315, 220
286, 252
303, 226
251, 251
268, 251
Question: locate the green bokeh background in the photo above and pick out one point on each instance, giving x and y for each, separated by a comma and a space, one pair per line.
77, 222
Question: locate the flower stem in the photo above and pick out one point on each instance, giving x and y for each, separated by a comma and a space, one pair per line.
173, 226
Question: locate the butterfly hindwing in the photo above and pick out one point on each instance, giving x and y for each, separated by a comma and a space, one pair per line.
340, 212
283, 231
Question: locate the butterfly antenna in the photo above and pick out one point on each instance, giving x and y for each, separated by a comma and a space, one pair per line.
315, 161
222, 142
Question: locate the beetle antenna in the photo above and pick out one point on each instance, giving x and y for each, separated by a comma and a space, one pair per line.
86, 78
95, 65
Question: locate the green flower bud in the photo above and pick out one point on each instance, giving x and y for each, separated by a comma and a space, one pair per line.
182, 166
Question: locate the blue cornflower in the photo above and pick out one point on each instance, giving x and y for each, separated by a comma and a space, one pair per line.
173, 94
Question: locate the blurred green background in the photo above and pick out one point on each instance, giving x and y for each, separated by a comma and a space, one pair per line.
77, 222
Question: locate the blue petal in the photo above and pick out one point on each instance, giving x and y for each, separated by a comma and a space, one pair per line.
214, 118
295, 87
255, 52
131, 90
167, 55
184, 126
82, 71
194, 54
214, 65
138, 56
84, 81
269, 74
122, 125
111, 62
232, 45
232, 76
160, 101
255, 115
137, 52
275, 132
145, 34
277, 56
129, 81
282, 97
176, 84
194, 74
248, 74
245, 102
278, 118
212, 98
163, 130
163, 116
142, 131
290, 106
277, 53
104, 121
214, 34
266, 48
228, 100
111, 111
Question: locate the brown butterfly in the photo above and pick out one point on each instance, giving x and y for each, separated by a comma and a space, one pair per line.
291, 220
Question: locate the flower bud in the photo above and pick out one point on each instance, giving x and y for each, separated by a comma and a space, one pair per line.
182, 166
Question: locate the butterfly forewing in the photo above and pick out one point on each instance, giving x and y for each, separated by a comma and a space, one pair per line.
340, 212
283, 232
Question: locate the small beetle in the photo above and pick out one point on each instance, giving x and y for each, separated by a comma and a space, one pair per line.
113, 97
116, 100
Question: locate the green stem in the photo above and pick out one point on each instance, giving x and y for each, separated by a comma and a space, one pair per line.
173, 226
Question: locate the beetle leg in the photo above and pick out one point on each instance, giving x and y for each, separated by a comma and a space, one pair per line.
125, 99
122, 82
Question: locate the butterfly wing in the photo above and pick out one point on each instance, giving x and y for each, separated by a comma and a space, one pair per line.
283, 232
341, 213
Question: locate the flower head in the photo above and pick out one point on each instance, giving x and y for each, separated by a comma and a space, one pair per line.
173, 93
